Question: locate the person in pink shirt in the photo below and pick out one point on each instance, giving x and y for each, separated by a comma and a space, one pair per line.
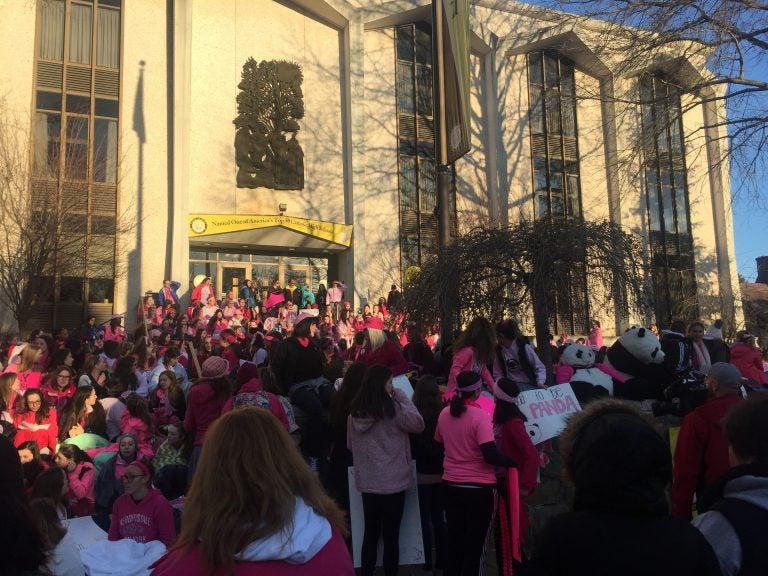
29, 376
473, 351
114, 331
469, 475
142, 513
595, 337
37, 421
81, 477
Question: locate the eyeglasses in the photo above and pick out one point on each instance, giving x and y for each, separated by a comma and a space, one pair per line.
131, 477
34, 402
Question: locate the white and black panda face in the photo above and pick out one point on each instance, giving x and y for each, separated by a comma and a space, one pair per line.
643, 344
577, 355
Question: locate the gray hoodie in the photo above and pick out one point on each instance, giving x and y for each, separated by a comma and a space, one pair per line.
719, 532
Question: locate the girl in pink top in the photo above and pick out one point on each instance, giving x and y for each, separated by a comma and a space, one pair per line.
81, 476
37, 421
469, 477
142, 513
473, 351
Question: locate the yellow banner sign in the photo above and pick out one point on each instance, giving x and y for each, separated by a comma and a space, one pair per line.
209, 224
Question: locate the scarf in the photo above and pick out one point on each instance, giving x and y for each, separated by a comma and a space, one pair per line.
703, 361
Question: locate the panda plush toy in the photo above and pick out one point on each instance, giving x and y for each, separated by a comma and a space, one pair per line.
577, 363
635, 361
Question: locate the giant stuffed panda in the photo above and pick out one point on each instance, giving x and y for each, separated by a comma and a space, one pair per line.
587, 381
635, 361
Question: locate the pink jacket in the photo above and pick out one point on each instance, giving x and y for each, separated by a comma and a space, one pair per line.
332, 560
82, 492
464, 361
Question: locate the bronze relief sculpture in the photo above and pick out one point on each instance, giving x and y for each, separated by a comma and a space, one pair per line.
269, 106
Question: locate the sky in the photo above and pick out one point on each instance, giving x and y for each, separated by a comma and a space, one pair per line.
750, 230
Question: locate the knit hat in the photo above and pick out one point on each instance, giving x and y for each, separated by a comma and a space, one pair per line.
726, 375
374, 322
215, 367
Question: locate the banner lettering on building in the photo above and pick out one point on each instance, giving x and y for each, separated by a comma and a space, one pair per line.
210, 224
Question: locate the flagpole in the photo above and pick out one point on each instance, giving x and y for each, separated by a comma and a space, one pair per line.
442, 169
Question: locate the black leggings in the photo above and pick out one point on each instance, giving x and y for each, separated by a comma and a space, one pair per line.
382, 514
469, 513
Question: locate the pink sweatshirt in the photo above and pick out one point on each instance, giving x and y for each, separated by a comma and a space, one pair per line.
143, 521
82, 493
464, 361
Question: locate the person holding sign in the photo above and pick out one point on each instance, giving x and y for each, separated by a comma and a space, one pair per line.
469, 476
512, 438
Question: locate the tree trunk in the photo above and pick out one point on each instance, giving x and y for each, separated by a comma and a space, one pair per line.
541, 324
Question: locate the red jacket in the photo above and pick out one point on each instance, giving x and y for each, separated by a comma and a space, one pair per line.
388, 355
45, 434
203, 407
702, 452
513, 440
749, 361
332, 560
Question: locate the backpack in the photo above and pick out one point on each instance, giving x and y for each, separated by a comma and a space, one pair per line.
521, 342
747, 519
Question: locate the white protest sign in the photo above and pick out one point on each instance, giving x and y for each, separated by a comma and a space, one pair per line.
411, 544
547, 410
404, 384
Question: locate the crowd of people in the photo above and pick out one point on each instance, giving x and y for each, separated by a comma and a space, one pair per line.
245, 413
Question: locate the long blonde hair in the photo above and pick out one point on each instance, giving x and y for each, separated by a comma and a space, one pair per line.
28, 356
9, 399
245, 487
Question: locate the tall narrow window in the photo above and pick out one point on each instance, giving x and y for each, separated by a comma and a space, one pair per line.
75, 149
52, 30
416, 144
553, 130
556, 178
671, 243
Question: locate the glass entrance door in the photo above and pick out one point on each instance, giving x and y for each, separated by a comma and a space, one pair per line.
231, 277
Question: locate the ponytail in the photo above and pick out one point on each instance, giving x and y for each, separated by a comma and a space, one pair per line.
457, 405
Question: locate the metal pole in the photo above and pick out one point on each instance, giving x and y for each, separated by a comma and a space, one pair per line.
442, 175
